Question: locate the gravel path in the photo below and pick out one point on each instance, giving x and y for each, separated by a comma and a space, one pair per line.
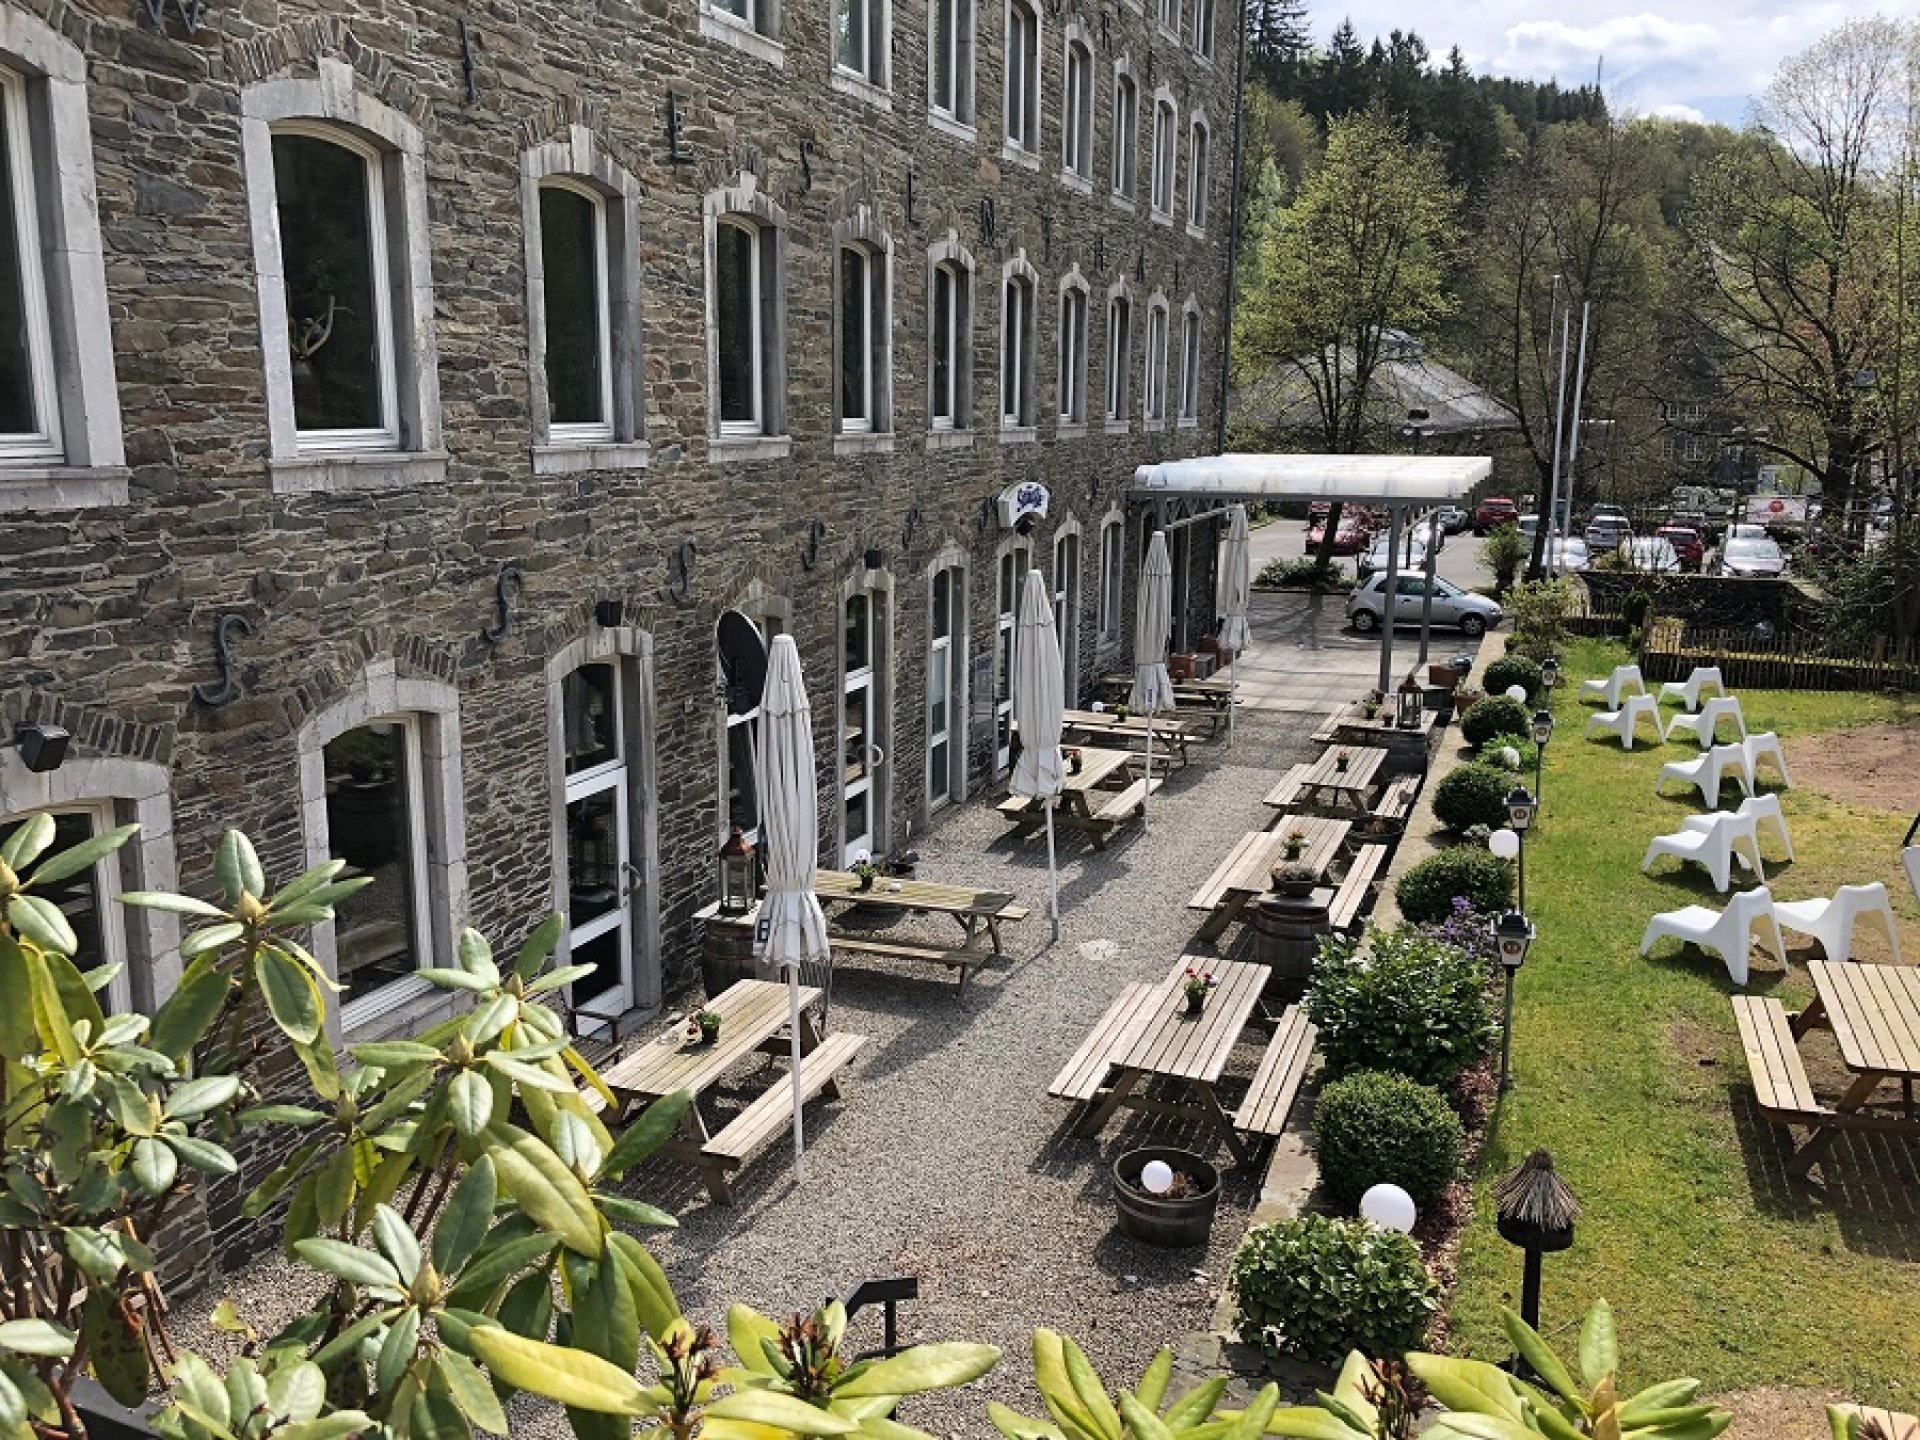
946, 1159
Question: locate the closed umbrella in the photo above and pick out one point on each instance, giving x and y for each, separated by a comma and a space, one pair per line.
1236, 585
1152, 628
793, 928
1039, 704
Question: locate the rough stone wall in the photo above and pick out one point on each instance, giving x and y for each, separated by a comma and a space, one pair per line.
107, 617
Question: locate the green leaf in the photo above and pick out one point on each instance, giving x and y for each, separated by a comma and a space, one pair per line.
297, 1391
1664, 1396
396, 1240
35, 1337
1310, 1422
97, 1252
202, 1155
197, 1097
924, 1367
469, 1102
195, 1383
28, 843
1142, 1422
1599, 1350
18, 1037
298, 1116
1152, 1388
236, 868
1015, 1426
605, 1321
302, 886
83, 856
554, 979
293, 999
546, 1189
496, 1261
269, 1189
653, 1128
750, 1334
154, 1165
635, 1212
472, 1392
214, 937
560, 1373
1459, 1426
1537, 1353
539, 945
347, 1342
348, 1262
38, 919
1466, 1385
527, 1307
463, 1223
448, 979
13, 1409
337, 1426
653, 1297
1088, 1389
1197, 1404
180, 1023
529, 1076
394, 1054
780, 1411
489, 1019
397, 1351
172, 904
476, 956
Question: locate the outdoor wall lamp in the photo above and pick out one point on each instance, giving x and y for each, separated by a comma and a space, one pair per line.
1542, 733
42, 748
1550, 672
1512, 937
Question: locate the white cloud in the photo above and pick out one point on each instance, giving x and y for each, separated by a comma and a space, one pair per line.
1679, 112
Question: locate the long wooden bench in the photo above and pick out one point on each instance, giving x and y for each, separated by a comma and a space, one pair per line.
772, 1112
1123, 805
966, 961
1397, 797
1214, 890
1349, 904
1779, 1079
1083, 1074
1285, 791
1276, 1084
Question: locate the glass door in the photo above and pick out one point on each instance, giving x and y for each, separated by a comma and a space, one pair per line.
1013, 573
940, 692
601, 876
1066, 613
860, 754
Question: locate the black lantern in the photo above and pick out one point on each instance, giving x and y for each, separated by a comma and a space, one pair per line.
1512, 934
1534, 1210
1520, 808
1407, 703
1542, 733
1542, 726
1550, 672
736, 874
42, 747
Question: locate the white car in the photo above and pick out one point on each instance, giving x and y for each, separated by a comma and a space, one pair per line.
1413, 555
1470, 614
1651, 554
1752, 557
1567, 557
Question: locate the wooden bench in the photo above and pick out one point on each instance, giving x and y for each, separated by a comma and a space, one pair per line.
1211, 893
1350, 900
966, 961
1286, 790
1892, 1424
1779, 1079
772, 1112
1123, 805
1082, 1076
1397, 797
1276, 1084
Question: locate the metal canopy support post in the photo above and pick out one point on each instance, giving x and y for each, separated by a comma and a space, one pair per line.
1426, 600
1389, 598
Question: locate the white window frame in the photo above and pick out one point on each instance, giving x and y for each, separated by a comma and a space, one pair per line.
948, 653
870, 79
757, 32
956, 427
1074, 330
743, 205
1203, 29
1167, 17
1068, 563
1016, 551
1019, 290
1199, 173
407, 450
1022, 141
956, 115
1124, 177
1076, 109
577, 160
1154, 363
1189, 413
579, 431
75, 456
1166, 143
866, 382
756, 424
1119, 357
1113, 560
771, 615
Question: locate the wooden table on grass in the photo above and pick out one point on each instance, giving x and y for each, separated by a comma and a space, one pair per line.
1100, 796
1247, 872
1874, 1014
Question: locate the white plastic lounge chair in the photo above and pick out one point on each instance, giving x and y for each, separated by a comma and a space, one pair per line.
1765, 746
1910, 858
1689, 690
1622, 722
1768, 820
1832, 922
1708, 771
1726, 835
1615, 685
1728, 933
1704, 724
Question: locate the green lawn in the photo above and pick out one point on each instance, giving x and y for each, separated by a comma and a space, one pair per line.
1630, 1071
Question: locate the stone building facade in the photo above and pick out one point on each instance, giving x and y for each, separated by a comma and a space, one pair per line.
419, 409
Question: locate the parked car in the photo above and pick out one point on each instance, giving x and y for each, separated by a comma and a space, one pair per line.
1651, 554
1567, 556
1608, 532
1454, 519
1351, 538
1609, 512
1413, 554
1493, 512
1750, 556
1452, 607
1686, 543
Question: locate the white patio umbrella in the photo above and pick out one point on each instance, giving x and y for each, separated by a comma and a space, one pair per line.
793, 929
1152, 628
1236, 585
1039, 705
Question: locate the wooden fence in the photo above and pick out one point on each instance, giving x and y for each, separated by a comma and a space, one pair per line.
1752, 657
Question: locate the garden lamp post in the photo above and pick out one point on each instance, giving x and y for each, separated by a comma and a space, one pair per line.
1542, 733
1520, 808
1512, 935
1534, 1211
1550, 674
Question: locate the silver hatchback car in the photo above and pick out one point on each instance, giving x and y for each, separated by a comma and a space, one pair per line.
1466, 612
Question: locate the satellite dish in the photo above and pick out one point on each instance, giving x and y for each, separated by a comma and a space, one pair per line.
743, 662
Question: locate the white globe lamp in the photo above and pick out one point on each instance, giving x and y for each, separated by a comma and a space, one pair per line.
1504, 843
1156, 1177
1389, 1207
1517, 693
1509, 757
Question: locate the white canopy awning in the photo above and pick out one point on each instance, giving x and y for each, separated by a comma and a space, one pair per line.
1361, 479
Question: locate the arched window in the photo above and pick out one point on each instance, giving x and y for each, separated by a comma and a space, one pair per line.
1203, 29
950, 343
865, 340
1066, 606
1190, 364
1200, 156
1166, 141
1155, 361
1119, 356
950, 61
1016, 347
1126, 128
745, 323
946, 678
1023, 76
1076, 110
1073, 350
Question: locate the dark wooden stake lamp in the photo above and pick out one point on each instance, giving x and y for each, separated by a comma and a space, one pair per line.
42, 748
1512, 935
736, 874
1534, 1210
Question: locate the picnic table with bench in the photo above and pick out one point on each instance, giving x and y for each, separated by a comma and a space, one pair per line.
979, 914
1874, 1014
1328, 784
1200, 703
1102, 794
1148, 1033
1171, 735
1247, 872
752, 1015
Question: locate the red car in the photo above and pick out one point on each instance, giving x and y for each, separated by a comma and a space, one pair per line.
1686, 543
1493, 512
1351, 538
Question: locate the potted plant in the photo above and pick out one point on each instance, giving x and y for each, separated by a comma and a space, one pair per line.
703, 1027
1165, 1196
1370, 704
864, 871
1295, 844
1294, 880
1197, 985
1074, 760
1122, 711
1341, 758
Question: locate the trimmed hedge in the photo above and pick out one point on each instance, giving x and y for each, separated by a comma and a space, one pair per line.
1426, 892
1376, 1128
1317, 1287
1472, 795
1407, 1002
1495, 715
1511, 670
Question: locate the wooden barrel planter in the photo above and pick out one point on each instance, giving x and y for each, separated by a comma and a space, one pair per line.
1287, 931
1172, 1221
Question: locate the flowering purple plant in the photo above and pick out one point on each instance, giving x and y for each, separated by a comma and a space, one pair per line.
1466, 929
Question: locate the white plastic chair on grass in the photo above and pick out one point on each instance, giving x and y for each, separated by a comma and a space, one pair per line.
1728, 933
1832, 922
1615, 685
1708, 771
1910, 859
1626, 719
1689, 690
1725, 836
1768, 819
1765, 746
1703, 724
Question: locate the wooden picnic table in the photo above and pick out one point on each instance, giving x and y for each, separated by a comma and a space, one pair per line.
1103, 728
1149, 1033
752, 1014
1216, 691
1102, 794
1247, 872
978, 912
1874, 1014
1325, 782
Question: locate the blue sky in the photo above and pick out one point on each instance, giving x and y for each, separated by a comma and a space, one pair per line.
1700, 60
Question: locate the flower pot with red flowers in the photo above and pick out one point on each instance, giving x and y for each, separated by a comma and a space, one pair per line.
1196, 986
